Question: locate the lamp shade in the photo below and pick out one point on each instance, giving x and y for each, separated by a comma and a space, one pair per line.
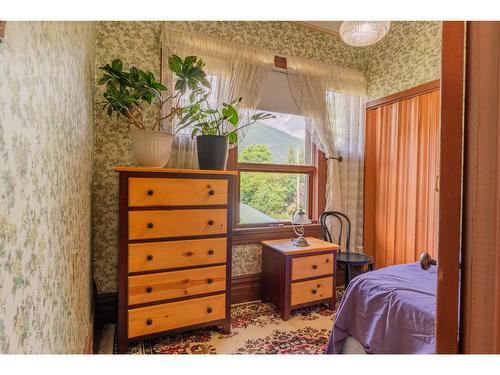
300, 217
363, 33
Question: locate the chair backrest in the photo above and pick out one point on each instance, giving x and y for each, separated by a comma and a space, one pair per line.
341, 219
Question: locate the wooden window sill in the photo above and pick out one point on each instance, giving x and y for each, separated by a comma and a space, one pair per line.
245, 236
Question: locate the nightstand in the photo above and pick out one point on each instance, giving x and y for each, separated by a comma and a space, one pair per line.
295, 276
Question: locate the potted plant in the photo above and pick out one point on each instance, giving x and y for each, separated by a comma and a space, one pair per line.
128, 93
214, 128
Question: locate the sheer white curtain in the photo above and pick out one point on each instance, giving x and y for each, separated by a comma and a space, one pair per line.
347, 112
333, 99
232, 69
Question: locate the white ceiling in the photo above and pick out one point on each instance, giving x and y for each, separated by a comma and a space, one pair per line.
327, 26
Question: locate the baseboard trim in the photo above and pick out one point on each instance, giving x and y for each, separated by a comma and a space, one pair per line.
246, 288
106, 308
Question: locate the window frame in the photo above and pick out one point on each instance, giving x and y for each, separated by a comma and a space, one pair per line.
254, 232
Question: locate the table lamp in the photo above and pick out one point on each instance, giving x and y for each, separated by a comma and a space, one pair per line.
300, 218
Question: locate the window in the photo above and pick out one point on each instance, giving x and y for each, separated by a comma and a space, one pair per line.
277, 162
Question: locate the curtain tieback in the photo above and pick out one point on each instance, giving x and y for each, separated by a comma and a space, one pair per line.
339, 158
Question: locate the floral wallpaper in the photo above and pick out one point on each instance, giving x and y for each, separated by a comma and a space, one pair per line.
137, 43
398, 62
408, 56
46, 137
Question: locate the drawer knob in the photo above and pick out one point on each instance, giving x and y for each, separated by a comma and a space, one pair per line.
315, 266
209, 310
314, 291
210, 222
149, 322
327, 260
150, 225
211, 192
149, 257
189, 253
149, 289
210, 252
210, 281
150, 192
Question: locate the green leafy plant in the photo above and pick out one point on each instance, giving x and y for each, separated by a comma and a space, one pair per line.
129, 92
223, 120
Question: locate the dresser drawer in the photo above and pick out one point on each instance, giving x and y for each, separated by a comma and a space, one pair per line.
176, 223
175, 284
176, 192
163, 317
312, 290
152, 256
312, 266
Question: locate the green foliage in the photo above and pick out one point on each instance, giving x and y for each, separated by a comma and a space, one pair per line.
219, 121
128, 92
257, 153
271, 193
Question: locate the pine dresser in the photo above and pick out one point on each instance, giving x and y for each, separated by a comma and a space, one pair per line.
174, 256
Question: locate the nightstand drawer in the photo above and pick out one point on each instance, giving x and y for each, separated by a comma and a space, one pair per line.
169, 285
312, 290
176, 223
145, 320
152, 256
312, 266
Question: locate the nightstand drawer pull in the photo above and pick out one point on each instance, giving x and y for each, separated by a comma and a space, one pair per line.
189, 253
149, 289
149, 322
314, 291
150, 192
211, 222
149, 257
150, 225
209, 310
315, 266
210, 281
210, 252
211, 192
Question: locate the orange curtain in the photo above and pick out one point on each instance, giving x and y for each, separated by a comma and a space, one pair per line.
401, 172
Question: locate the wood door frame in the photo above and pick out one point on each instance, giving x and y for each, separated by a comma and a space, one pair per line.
450, 186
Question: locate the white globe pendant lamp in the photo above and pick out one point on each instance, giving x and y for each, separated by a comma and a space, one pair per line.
363, 33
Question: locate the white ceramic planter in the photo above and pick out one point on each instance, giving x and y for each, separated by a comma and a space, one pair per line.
151, 148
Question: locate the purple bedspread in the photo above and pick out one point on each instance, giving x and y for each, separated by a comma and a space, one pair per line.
390, 310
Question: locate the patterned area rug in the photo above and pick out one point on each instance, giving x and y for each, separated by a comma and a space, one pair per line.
256, 328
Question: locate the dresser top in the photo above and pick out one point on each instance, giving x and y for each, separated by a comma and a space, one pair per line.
286, 247
173, 170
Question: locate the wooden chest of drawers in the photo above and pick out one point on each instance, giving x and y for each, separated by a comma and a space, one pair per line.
298, 276
174, 261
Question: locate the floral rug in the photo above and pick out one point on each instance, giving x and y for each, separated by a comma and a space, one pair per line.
256, 328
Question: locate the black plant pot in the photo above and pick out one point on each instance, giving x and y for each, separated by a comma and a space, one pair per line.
212, 151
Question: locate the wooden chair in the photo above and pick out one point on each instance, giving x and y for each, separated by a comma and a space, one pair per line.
345, 258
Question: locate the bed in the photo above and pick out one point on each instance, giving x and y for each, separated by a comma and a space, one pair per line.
390, 310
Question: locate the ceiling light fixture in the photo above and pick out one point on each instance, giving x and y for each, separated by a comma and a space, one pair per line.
363, 33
